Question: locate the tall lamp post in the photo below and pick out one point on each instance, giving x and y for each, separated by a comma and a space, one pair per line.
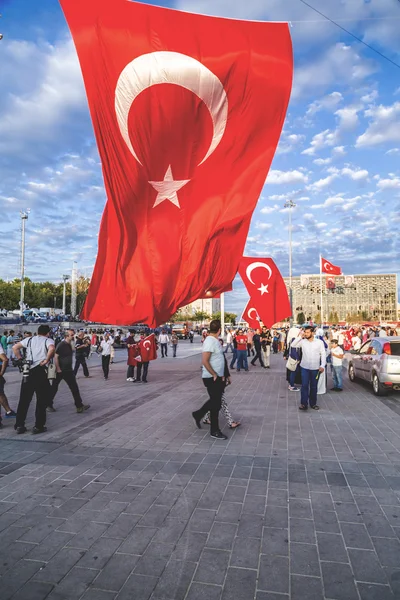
64, 304
24, 217
290, 204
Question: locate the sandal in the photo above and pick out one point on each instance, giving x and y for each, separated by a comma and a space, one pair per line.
206, 422
235, 424
302, 407
315, 407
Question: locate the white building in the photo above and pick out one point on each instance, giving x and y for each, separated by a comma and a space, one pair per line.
207, 305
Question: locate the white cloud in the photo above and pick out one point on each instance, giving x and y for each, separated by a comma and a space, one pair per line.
320, 140
322, 161
276, 177
323, 183
263, 226
348, 117
393, 151
392, 183
384, 126
340, 63
328, 102
355, 174
288, 143
339, 151
267, 210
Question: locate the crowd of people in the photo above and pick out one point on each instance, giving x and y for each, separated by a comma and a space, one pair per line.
45, 359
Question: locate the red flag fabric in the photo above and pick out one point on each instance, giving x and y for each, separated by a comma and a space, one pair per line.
250, 316
329, 268
187, 112
330, 283
148, 348
267, 289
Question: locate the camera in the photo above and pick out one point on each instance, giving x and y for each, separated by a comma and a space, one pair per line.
24, 367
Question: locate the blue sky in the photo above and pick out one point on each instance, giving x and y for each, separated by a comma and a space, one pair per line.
338, 158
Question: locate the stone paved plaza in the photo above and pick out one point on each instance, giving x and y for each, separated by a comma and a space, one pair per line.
130, 501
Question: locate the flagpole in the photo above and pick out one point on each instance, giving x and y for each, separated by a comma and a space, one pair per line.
320, 281
223, 315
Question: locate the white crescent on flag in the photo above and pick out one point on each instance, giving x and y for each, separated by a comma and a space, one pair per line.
147, 342
257, 265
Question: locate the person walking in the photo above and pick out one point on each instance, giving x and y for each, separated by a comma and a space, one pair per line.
3, 398
213, 375
39, 350
105, 346
250, 349
81, 348
337, 355
63, 362
3, 342
266, 341
163, 340
313, 362
10, 344
234, 352
257, 348
241, 340
175, 342
229, 341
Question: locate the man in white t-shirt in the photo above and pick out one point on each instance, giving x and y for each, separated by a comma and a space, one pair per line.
356, 342
312, 364
106, 345
213, 374
337, 366
39, 351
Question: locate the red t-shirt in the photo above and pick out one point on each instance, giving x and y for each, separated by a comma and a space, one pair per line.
241, 341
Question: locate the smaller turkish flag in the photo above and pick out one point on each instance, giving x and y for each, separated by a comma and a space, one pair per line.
148, 348
250, 316
330, 283
329, 268
267, 289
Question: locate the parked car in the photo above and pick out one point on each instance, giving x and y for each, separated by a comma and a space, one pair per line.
378, 362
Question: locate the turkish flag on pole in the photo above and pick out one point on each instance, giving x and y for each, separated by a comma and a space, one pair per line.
187, 111
148, 348
329, 268
250, 316
268, 293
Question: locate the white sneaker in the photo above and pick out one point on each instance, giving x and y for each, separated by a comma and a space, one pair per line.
130, 379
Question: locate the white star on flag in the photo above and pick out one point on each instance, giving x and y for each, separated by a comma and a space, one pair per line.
167, 189
263, 289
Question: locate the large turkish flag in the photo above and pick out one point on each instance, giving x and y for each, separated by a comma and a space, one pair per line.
267, 289
187, 112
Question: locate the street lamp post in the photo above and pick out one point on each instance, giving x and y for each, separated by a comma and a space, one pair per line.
64, 306
290, 204
24, 217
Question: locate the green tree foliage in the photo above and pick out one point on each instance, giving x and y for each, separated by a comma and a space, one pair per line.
200, 316
229, 317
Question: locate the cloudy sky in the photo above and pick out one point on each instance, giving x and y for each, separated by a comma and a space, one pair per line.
338, 158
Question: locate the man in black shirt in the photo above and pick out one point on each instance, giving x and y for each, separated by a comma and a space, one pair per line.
81, 350
63, 361
257, 348
266, 341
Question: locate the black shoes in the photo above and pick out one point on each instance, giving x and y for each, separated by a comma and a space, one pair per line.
36, 430
198, 421
218, 435
51, 409
82, 408
20, 429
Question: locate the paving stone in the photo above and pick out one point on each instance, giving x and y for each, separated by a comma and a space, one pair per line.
331, 547
356, 536
175, 580
338, 581
274, 573
50, 546
34, 590
276, 516
326, 521
239, 584
271, 596
366, 566
202, 591
304, 559
18, 576
150, 565
250, 525
229, 512
74, 584
388, 551
100, 553
202, 520
222, 536
116, 572
309, 588
245, 553
87, 536
190, 546
212, 566
275, 541
302, 530
369, 591
138, 587
96, 594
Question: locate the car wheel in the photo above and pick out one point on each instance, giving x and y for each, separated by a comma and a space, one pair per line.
352, 373
378, 388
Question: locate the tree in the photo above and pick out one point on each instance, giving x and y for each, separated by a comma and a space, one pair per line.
301, 318
317, 317
229, 317
181, 316
200, 316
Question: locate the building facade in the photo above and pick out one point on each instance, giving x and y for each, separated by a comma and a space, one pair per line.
372, 297
206, 305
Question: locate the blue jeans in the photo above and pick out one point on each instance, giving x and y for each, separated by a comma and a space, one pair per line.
242, 360
229, 347
337, 377
292, 378
234, 358
309, 385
